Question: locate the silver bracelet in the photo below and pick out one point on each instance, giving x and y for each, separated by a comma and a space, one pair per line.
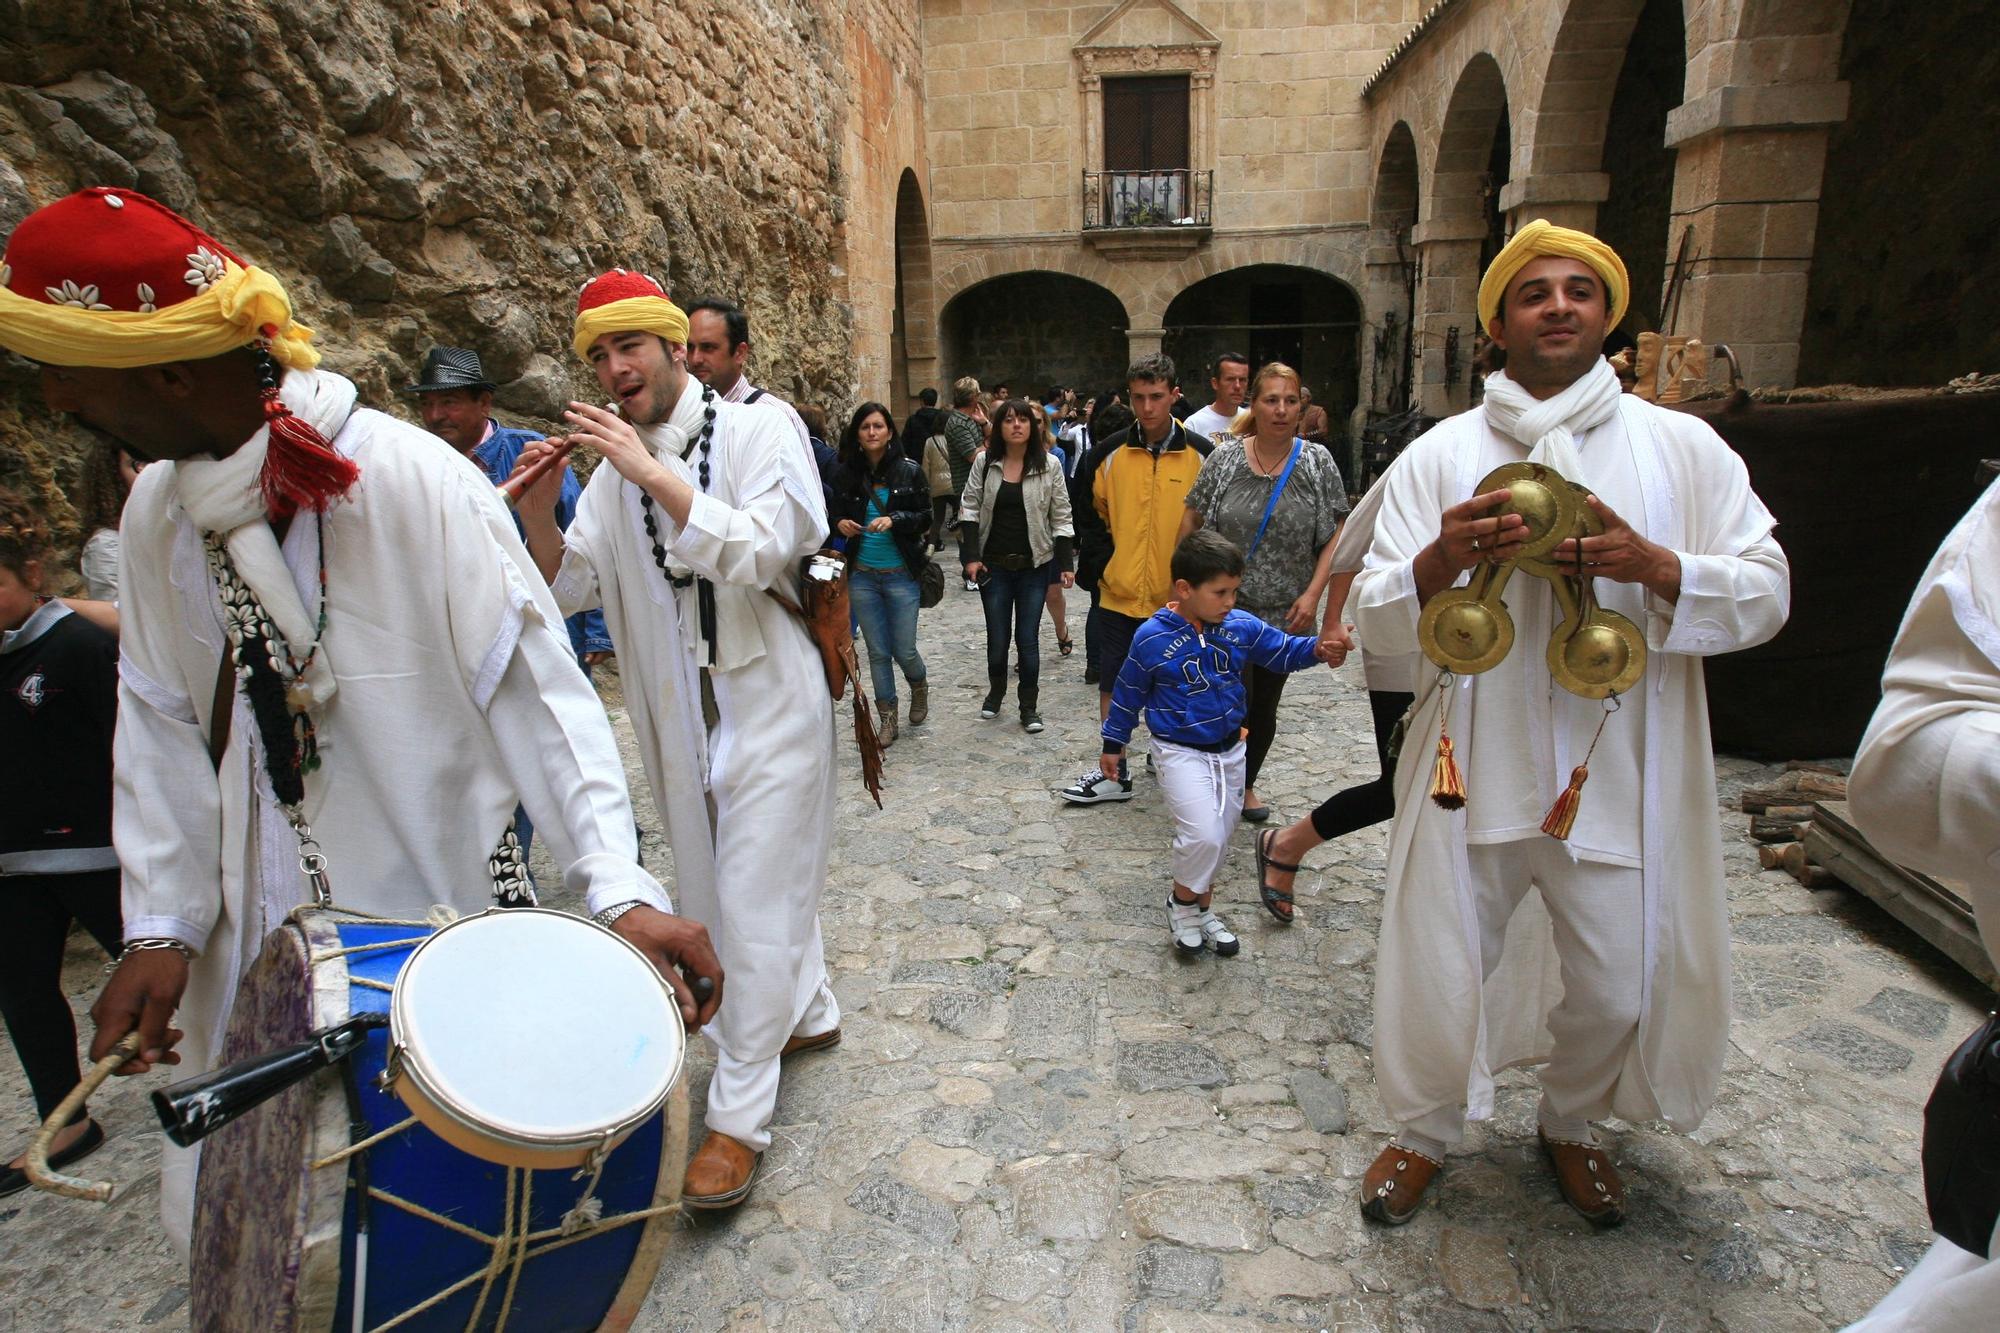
143, 945
616, 910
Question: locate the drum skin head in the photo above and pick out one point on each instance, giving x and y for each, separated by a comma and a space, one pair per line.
1463, 634
527, 1035
1543, 497
1603, 657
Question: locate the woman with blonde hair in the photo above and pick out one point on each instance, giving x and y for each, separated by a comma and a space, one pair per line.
1281, 500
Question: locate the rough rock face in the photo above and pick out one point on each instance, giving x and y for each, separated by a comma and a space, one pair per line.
424, 171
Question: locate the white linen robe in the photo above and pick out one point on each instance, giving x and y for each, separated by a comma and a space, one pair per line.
1440, 1035
457, 694
748, 807
1926, 791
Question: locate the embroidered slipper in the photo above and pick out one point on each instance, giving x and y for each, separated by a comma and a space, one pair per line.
1276, 901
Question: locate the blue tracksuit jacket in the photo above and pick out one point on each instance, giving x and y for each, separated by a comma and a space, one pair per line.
1190, 682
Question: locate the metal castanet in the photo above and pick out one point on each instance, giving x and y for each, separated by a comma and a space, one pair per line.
192, 1110
512, 489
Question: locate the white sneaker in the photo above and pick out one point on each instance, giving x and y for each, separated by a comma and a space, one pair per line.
1185, 925
1093, 787
1216, 933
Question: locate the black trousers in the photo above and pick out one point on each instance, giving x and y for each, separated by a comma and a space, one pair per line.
38, 910
1368, 802
1262, 690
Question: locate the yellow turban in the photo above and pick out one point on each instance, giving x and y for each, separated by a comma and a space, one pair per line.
108, 278
620, 301
1542, 238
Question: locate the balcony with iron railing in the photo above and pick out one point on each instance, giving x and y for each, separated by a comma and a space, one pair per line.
1147, 214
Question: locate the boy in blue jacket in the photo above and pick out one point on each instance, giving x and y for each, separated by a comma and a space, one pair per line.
1185, 669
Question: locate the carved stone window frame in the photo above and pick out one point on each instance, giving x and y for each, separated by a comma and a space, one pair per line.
1194, 56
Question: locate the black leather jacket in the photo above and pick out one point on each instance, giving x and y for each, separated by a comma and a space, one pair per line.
909, 504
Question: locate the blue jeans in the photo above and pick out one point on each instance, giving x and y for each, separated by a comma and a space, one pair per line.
885, 602
1013, 599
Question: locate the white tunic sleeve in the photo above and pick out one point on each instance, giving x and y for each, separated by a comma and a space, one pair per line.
778, 518
1736, 584
576, 586
168, 830
558, 748
1926, 784
1412, 497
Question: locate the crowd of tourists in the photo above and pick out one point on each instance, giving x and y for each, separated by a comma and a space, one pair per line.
249, 545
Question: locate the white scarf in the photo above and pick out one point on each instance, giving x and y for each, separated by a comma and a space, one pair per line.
224, 495
1550, 427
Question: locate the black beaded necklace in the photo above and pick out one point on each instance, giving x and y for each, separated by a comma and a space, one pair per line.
704, 590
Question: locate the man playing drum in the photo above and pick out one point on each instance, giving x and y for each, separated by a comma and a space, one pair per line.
285, 674
1614, 976
702, 506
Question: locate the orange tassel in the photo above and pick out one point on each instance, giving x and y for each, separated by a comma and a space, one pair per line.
1562, 815
1447, 783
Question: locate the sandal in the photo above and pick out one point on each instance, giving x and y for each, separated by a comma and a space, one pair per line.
1277, 902
1065, 646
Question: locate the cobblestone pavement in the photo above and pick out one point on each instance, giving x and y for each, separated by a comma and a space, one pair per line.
1043, 1119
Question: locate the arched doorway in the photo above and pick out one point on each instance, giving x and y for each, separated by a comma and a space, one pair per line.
1635, 217
1474, 159
1033, 329
1272, 312
1392, 272
1904, 263
913, 331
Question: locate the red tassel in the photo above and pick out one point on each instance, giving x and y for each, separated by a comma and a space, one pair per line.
1562, 815
1447, 783
301, 470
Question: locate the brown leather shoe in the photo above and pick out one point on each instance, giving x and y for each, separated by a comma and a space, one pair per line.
1587, 1179
719, 1174
1394, 1188
818, 1041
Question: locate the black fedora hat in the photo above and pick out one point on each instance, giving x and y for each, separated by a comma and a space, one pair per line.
451, 368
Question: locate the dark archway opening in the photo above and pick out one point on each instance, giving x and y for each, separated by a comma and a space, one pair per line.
1273, 312
1635, 217
1908, 251
1394, 214
1032, 330
912, 337
1499, 166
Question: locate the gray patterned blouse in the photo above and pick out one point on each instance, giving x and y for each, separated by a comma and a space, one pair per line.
1230, 497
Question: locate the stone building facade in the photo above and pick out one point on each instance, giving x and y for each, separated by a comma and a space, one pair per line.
1795, 178
1033, 191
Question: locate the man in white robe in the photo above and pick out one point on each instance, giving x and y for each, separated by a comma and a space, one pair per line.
436, 673
1603, 959
701, 506
1926, 791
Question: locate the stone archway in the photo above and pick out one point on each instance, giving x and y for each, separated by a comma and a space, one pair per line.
1903, 295
1032, 329
1464, 229
1388, 353
913, 349
1637, 211
1272, 312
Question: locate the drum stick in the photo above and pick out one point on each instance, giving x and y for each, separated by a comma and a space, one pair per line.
512, 489
55, 1182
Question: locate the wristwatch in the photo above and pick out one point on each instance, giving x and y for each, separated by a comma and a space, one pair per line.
613, 912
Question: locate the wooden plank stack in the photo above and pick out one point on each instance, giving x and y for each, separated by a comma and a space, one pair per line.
1801, 826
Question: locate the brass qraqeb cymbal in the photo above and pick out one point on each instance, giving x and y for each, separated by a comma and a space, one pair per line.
1543, 497
1604, 656
1463, 634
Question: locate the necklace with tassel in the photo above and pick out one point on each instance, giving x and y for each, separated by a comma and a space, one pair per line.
1562, 815
1447, 783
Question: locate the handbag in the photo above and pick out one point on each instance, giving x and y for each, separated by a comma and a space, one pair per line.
930, 586
1962, 1143
824, 609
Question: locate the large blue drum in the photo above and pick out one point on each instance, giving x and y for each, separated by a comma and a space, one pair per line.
532, 1038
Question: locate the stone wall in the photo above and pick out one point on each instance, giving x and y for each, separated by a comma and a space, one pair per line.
424, 171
